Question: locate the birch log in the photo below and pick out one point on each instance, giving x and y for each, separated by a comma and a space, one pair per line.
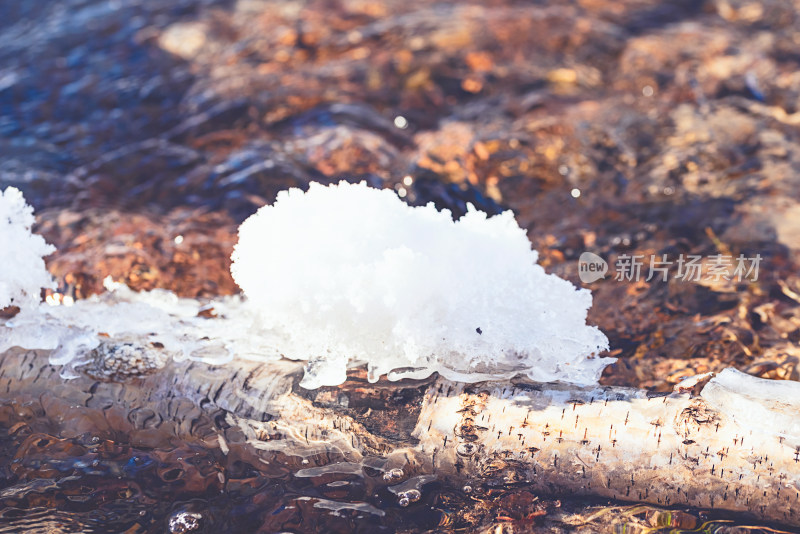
735, 446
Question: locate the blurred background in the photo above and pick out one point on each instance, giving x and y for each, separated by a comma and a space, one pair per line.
144, 131
625, 127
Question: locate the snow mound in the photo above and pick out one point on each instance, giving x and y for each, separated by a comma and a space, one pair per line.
22, 271
340, 276
348, 275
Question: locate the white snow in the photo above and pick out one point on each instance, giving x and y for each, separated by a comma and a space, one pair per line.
351, 275
340, 276
22, 270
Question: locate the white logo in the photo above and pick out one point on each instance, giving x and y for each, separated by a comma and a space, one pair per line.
591, 267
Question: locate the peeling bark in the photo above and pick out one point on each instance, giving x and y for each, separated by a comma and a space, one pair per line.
735, 446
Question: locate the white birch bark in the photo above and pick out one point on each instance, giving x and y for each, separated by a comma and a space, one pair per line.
735, 446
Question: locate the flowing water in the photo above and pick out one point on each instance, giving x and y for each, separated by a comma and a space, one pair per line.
94, 484
143, 131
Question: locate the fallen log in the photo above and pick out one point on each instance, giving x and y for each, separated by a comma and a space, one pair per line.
733, 445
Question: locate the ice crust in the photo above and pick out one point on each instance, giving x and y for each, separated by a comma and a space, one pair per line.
155, 318
350, 275
756, 404
22, 270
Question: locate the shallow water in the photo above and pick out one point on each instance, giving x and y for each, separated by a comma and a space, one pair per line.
93, 485
673, 121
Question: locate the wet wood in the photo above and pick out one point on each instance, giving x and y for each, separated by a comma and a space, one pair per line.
728, 448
